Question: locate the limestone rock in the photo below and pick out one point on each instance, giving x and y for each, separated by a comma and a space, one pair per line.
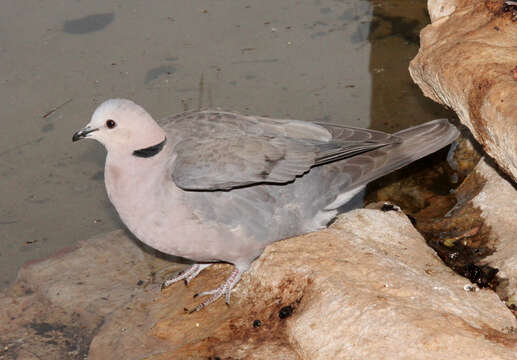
476, 236
368, 287
56, 305
440, 8
498, 203
467, 61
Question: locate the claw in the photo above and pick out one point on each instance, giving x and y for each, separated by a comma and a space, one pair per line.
225, 288
186, 275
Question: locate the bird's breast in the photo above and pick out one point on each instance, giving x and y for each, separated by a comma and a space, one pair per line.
154, 210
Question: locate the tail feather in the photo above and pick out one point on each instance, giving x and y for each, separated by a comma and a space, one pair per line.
417, 142
427, 138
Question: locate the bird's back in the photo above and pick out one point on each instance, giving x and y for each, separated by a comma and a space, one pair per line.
272, 211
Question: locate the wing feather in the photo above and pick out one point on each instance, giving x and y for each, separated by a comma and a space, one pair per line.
221, 151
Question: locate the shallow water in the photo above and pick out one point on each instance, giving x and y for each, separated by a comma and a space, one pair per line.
329, 60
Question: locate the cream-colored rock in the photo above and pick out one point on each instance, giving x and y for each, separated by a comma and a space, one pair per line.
440, 8
498, 203
97, 277
400, 302
56, 305
466, 61
369, 287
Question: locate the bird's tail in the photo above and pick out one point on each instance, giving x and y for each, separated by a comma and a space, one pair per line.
334, 185
417, 142
432, 135
421, 140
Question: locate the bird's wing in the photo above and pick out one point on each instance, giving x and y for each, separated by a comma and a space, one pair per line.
221, 151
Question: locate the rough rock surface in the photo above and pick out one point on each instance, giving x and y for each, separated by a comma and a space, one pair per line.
368, 287
57, 305
497, 201
439, 8
467, 61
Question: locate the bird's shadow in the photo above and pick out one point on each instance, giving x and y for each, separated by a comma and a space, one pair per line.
151, 251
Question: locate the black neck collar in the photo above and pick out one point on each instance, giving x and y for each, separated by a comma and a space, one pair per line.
150, 151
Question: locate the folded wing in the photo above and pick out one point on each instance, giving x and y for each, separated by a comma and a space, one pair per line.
239, 150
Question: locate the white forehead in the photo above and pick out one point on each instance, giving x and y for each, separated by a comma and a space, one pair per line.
113, 107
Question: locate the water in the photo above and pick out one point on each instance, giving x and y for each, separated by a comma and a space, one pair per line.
339, 61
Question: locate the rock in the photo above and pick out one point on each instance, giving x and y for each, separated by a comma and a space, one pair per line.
476, 236
33, 328
56, 305
368, 287
497, 201
440, 8
467, 62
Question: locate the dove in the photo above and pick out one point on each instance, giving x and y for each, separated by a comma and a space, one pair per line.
215, 186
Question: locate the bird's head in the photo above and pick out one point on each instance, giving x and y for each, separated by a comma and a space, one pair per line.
122, 126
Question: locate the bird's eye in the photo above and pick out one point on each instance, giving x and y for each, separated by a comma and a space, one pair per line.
110, 124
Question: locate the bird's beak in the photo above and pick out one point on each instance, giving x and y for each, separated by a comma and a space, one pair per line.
83, 133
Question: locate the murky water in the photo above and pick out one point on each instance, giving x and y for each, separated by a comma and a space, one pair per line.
340, 61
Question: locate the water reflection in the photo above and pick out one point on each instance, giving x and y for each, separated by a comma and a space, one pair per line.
394, 35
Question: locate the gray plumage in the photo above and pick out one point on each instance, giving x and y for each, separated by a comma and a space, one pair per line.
226, 185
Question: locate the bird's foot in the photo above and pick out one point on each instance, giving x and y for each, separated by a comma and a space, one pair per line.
224, 289
186, 275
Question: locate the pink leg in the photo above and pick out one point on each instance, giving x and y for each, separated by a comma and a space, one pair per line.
186, 275
225, 288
